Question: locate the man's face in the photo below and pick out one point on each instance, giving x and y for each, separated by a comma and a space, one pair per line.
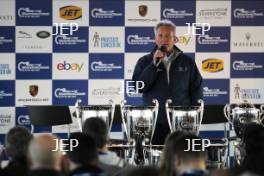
165, 37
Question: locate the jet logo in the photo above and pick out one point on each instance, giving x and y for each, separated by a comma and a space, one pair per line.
212, 65
70, 12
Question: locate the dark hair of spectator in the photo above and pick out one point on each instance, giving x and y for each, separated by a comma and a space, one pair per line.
17, 142
96, 127
85, 153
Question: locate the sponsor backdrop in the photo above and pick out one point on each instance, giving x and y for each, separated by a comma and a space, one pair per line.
53, 52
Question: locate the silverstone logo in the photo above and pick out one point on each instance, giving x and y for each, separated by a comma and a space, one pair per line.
28, 67
5, 119
28, 13
68, 40
5, 69
240, 65
100, 13
100, 66
5, 94
107, 91
215, 13
207, 92
4, 40
64, 93
137, 40
171, 13
246, 14
207, 40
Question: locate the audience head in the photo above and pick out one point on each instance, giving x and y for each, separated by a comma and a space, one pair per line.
96, 127
84, 153
41, 152
144, 171
176, 161
17, 141
254, 139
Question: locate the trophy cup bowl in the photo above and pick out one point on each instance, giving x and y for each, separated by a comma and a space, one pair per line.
139, 120
105, 112
185, 118
240, 115
139, 124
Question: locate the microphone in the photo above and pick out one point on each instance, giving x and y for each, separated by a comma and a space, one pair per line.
162, 48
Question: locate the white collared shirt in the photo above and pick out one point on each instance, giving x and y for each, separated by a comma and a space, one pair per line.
167, 62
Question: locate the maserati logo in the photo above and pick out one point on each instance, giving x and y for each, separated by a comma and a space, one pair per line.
33, 90
142, 10
248, 36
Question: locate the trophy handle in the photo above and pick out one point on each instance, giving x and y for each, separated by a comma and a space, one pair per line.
168, 101
112, 116
110, 102
122, 107
261, 115
78, 111
227, 113
201, 113
156, 110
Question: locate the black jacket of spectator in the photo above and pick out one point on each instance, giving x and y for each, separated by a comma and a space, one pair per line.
44, 172
16, 167
88, 170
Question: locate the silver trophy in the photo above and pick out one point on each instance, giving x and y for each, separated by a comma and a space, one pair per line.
186, 118
139, 125
217, 153
239, 115
105, 112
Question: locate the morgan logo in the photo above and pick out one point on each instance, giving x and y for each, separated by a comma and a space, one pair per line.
213, 65
70, 12
33, 90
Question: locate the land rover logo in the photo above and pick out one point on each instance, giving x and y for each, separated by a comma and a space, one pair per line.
43, 34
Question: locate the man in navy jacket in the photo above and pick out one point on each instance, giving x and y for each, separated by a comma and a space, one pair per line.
167, 74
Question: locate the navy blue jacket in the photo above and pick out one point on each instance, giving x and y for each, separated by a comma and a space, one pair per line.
185, 87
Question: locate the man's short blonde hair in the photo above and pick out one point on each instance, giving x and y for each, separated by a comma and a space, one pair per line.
165, 23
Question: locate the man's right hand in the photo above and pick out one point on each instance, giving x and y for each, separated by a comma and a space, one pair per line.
158, 55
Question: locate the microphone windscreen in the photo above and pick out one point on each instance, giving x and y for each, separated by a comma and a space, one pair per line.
162, 48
